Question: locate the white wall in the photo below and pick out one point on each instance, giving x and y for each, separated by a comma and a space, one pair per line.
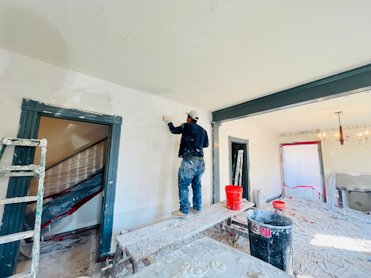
347, 158
264, 157
146, 189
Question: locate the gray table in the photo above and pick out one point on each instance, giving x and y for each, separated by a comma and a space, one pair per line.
354, 191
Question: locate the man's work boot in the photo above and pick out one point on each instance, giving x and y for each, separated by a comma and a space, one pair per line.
180, 214
196, 211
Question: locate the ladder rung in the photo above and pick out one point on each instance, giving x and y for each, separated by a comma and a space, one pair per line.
16, 236
16, 200
18, 174
23, 142
31, 167
19, 170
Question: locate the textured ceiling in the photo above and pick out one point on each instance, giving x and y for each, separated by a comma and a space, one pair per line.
209, 54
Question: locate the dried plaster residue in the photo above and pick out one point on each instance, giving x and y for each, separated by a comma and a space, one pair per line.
329, 242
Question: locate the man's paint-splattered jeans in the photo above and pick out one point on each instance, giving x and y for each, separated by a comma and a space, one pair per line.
190, 172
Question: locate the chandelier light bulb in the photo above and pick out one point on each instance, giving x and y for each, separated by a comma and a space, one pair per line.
354, 134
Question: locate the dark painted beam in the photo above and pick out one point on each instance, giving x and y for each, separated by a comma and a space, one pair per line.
328, 87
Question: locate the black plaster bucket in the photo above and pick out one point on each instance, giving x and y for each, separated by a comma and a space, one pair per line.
270, 236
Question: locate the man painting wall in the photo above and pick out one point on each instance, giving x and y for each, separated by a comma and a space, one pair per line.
194, 140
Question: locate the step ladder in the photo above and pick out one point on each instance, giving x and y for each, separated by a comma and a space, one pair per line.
26, 171
238, 173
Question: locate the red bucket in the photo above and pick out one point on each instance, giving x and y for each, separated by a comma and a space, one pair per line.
278, 204
234, 197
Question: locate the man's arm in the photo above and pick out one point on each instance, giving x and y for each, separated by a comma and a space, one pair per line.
175, 130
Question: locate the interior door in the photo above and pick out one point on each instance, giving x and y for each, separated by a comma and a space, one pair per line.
235, 147
303, 171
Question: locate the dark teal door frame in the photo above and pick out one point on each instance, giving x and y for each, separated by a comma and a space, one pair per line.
13, 216
348, 82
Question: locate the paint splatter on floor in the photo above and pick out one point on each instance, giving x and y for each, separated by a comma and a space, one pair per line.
329, 242
326, 243
66, 261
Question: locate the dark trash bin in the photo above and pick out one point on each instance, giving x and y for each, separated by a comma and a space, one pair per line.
270, 236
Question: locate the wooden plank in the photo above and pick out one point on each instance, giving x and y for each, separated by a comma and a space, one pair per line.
18, 200
206, 257
138, 235
16, 236
154, 242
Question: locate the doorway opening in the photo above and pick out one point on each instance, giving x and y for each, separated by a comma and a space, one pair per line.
73, 185
33, 113
303, 174
236, 144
